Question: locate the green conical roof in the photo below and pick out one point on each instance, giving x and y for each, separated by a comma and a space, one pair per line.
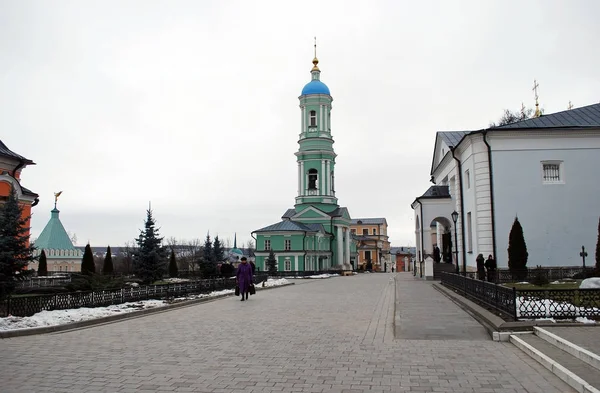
54, 236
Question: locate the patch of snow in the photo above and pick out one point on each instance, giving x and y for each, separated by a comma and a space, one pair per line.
590, 283
529, 307
523, 282
175, 280
60, 317
132, 284
272, 283
585, 320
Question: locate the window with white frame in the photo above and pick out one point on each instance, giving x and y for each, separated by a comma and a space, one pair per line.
469, 233
552, 172
288, 264
267, 244
288, 244
313, 118
374, 231
468, 178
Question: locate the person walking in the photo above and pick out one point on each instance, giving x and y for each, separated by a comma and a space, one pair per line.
244, 277
490, 265
480, 267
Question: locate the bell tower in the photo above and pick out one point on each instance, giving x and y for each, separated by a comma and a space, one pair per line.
315, 156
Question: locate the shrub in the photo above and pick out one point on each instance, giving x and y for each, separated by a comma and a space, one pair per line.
540, 277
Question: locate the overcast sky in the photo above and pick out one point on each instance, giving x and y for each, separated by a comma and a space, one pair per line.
193, 105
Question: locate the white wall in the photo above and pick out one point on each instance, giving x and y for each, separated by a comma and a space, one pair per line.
557, 219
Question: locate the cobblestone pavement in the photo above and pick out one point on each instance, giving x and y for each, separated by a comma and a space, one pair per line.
333, 335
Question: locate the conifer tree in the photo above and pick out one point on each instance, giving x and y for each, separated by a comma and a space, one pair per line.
173, 270
87, 262
598, 250
108, 268
43, 265
218, 251
208, 266
517, 251
15, 250
150, 261
272, 263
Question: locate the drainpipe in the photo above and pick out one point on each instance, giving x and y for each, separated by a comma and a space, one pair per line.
21, 165
462, 211
492, 205
422, 249
331, 237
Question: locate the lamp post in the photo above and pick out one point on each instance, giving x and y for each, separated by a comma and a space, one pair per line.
454, 219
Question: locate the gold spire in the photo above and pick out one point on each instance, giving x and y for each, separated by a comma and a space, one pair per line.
315, 60
56, 195
570, 105
537, 113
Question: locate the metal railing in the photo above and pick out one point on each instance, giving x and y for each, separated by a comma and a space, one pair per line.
23, 306
521, 304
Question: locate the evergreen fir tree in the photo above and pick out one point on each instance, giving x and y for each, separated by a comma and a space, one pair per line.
272, 263
208, 267
87, 262
15, 250
150, 261
43, 265
598, 250
108, 268
517, 251
218, 251
173, 270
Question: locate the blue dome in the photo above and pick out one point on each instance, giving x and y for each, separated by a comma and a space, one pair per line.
315, 87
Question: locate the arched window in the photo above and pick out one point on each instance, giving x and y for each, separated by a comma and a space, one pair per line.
332, 182
312, 179
313, 118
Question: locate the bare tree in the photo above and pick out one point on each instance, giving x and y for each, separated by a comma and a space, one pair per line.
509, 117
189, 253
251, 247
227, 243
171, 243
123, 263
72, 237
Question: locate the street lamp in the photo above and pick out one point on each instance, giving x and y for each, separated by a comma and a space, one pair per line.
454, 219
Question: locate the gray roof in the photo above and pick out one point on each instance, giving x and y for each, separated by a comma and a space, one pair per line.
287, 226
452, 137
437, 192
339, 212
586, 116
289, 213
5, 151
369, 221
410, 250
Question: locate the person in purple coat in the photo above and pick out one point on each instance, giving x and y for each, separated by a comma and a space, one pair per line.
244, 277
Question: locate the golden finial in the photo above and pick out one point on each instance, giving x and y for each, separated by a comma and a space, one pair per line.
315, 60
570, 105
537, 104
56, 195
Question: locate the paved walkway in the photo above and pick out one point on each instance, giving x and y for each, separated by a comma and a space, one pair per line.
333, 335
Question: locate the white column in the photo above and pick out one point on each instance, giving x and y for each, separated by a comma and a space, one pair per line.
328, 170
320, 117
348, 246
340, 246
301, 178
323, 178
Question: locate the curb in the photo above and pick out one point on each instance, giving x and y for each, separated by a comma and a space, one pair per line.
115, 318
575, 350
556, 368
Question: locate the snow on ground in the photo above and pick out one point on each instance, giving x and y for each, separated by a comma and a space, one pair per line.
528, 307
318, 276
61, 317
175, 280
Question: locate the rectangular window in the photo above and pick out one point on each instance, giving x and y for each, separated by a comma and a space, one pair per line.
469, 233
365, 232
267, 245
313, 118
374, 231
367, 255
552, 172
288, 265
288, 244
468, 179
353, 231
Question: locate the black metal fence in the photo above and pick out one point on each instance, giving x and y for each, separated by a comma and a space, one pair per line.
550, 273
23, 306
527, 303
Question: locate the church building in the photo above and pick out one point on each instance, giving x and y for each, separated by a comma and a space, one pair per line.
314, 235
543, 170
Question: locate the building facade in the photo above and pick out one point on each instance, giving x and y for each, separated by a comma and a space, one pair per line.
11, 166
314, 234
542, 170
61, 255
372, 242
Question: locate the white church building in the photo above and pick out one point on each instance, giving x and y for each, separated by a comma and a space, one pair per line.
544, 170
